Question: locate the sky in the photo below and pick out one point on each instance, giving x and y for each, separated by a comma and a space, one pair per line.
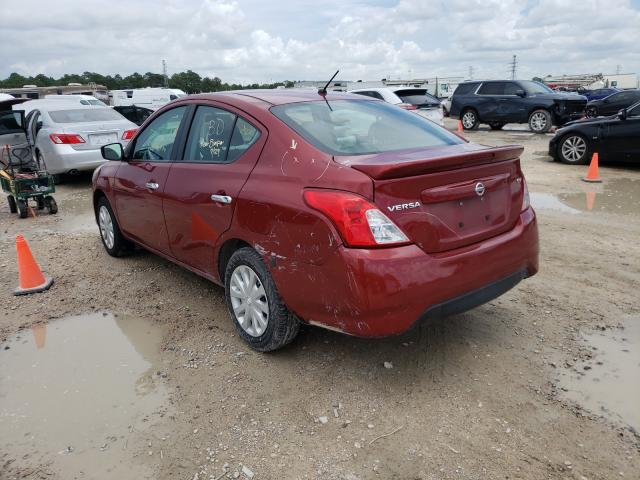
249, 41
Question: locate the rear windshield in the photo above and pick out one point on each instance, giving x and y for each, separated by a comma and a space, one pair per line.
417, 97
83, 115
358, 127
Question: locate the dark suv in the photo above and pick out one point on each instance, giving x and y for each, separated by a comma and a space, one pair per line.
498, 102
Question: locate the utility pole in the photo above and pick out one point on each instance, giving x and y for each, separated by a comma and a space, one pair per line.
618, 69
164, 73
514, 66
470, 72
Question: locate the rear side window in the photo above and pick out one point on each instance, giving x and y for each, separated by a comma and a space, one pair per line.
155, 143
83, 115
492, 88
370, 93
359, 127
465, 88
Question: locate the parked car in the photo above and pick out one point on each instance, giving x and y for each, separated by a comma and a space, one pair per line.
335, 210
612, 104
80, 99
417, 100
614, 138
446, 106
134, 114
598, 93
66, 137
498, 102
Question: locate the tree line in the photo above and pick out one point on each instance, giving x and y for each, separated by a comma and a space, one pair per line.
189, 81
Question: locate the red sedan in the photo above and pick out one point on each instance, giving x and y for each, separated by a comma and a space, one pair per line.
334, 210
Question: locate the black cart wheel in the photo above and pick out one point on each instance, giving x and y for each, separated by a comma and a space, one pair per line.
22, 208
12, 204
51, 204
41, 203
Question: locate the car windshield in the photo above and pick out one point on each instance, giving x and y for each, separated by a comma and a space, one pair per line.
532, 87
417, 97
353, 127
83, 115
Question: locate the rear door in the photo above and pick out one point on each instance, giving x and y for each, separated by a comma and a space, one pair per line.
221, 148
140, 183
490, 95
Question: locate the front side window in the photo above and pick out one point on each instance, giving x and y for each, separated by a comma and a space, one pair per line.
359, 127
634, 111
155, 143
533, 88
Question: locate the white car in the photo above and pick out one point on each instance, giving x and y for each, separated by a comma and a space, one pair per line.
80, 99
66, 136
417, 100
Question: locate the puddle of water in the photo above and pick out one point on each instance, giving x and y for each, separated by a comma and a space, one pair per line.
610, 386
79, 382
620, 196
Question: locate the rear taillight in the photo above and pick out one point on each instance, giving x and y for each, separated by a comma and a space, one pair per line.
66, 138
526, 200
128, 135
359, 223
407, 106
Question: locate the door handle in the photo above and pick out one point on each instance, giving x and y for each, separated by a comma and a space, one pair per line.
152, 185
226, 199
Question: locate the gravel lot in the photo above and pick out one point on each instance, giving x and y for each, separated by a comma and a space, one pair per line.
491, 393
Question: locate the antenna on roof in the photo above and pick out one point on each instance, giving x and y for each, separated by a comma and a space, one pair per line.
323, 90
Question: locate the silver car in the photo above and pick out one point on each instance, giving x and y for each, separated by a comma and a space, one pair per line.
418, 100
67, 136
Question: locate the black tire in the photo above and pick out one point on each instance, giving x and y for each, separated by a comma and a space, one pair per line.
51, 204
469, 119
591, 112
13, 208
121, 246
574, 149
41, 203
496, 126
540, 121
282, 326
23, 210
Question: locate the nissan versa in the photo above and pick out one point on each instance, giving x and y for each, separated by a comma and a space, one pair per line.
333, 210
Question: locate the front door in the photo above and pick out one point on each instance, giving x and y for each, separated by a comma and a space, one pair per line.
140, 182
202, 190
622, 140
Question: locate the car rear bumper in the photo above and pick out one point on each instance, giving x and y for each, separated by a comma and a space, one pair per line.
64, 159
380, 292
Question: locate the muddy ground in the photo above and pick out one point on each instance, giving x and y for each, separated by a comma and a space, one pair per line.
130, 368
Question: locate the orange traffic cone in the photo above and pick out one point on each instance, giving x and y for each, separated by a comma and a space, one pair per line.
31, 279
460, 129
592, 174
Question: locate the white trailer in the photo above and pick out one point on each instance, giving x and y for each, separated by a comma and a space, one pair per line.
152, 98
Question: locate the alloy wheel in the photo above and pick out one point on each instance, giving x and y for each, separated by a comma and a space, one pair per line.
574, 149
106, 227
468, 120
249, 300
538, 121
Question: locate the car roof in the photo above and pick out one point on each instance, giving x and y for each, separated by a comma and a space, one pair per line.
270, 97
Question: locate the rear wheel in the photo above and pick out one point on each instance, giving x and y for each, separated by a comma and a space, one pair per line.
496, 126
114, 243
23, 210
51, 204
259, 314
41, 203
540, 121
574, 150
13, 208
470, 120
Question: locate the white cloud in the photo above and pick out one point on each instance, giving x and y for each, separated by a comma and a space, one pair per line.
251, 41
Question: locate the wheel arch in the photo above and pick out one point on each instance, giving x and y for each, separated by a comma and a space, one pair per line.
226, 250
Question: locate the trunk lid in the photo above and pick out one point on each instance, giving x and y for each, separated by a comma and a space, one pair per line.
447, 197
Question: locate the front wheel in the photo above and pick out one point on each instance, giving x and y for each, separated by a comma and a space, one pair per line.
573, 149
51, 205
23, 210
591, 112
259, 314
470, 120
13, 208
540, 121
114, 243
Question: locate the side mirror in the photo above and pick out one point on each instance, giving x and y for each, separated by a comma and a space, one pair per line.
112, 151
622, 114
521, 93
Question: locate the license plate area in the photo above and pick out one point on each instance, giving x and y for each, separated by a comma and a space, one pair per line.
102, 138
